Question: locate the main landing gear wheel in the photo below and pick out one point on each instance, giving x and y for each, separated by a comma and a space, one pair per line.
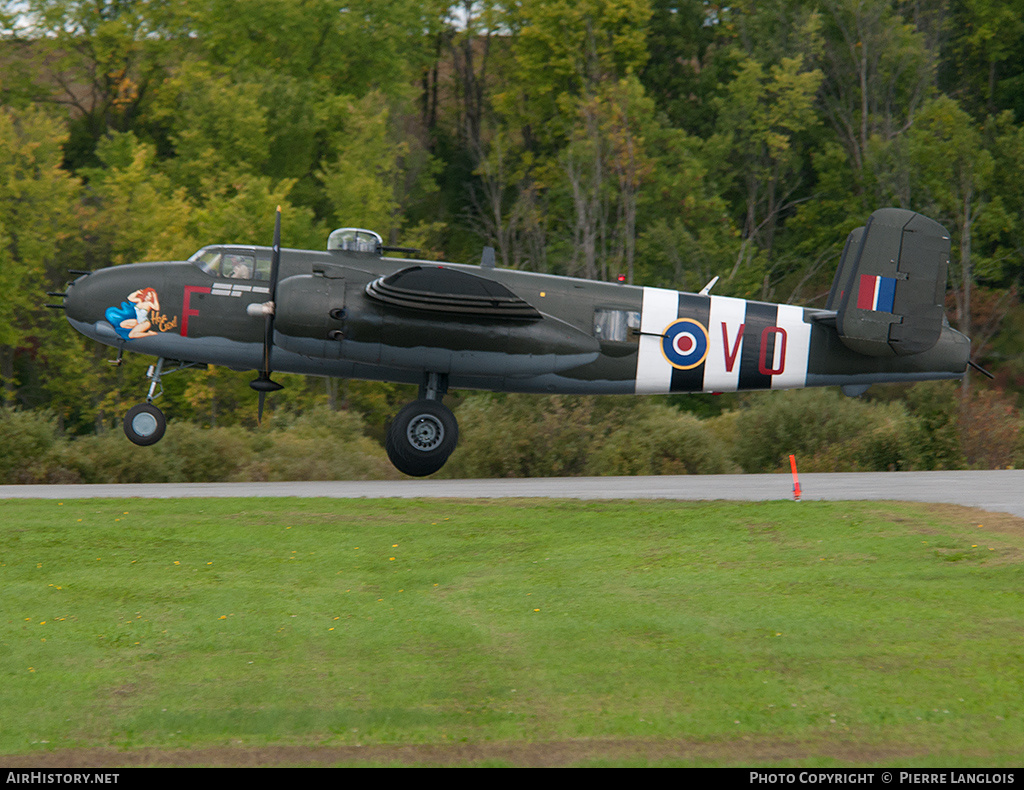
144, 424
422, 437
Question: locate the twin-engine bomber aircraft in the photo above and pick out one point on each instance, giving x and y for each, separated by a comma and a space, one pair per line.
351, 311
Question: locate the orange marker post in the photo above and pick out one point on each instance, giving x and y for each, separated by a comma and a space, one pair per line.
796, 480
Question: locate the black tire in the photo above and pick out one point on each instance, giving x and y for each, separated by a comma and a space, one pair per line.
421, 438
145, 424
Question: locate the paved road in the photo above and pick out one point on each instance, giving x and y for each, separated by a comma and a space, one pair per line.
1001, 490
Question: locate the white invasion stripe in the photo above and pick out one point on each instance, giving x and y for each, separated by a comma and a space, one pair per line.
798, 347
653, 372
728, 312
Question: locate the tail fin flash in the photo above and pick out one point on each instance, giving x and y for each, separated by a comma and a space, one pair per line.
890, 287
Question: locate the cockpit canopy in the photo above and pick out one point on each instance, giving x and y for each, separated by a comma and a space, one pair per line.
355, 240
237, 263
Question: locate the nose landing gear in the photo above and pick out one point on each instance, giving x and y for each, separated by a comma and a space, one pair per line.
145, 424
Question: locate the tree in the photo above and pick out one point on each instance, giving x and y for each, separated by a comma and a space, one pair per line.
37, 210
545, 171
605, 165
952, 172
216, 125
100, 59
376, 175
137, 213
565, 49
877, 72
763, 118
984, 61
691, 54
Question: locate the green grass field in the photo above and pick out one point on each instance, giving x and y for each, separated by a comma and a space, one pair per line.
497, 632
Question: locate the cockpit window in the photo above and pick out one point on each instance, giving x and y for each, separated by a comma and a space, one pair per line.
238, 267
617, 326
234, 264
208, 261
263, 261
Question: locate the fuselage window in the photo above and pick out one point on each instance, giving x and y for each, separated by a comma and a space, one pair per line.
617, 326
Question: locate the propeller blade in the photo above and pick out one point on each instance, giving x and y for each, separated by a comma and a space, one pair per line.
275, 266
264, 384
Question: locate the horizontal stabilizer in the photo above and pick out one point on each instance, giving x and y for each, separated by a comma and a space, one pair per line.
889, 290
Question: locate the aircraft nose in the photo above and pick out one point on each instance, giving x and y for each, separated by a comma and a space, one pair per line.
87, 296
75, 298
90, 296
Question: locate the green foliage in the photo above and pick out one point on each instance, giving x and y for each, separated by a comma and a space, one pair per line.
991, 431
686, 64
657, 439
538, 436
764, 119
925, 427
928, 428
826, 431
936, 408
878, 70
206, 455
375, 174
564, 51
217, 125
139, 214
26, 438
522, 436
37, 205
110, 458
317, 445
985, 46
672, 141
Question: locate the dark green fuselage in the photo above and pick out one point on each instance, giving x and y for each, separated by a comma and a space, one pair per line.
366, 316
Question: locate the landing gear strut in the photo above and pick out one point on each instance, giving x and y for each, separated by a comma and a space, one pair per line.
424, 433
145, 424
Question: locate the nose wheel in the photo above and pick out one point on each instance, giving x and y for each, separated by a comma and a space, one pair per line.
144, 424
421, 437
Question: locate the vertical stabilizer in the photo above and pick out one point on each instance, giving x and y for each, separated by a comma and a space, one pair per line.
850, 253
889, 290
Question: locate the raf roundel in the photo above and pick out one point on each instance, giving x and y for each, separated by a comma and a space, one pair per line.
685, 343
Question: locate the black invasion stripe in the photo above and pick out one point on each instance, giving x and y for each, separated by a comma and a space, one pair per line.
758, 317
699, 309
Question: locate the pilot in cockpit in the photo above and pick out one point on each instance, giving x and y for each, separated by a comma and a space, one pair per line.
238, 267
